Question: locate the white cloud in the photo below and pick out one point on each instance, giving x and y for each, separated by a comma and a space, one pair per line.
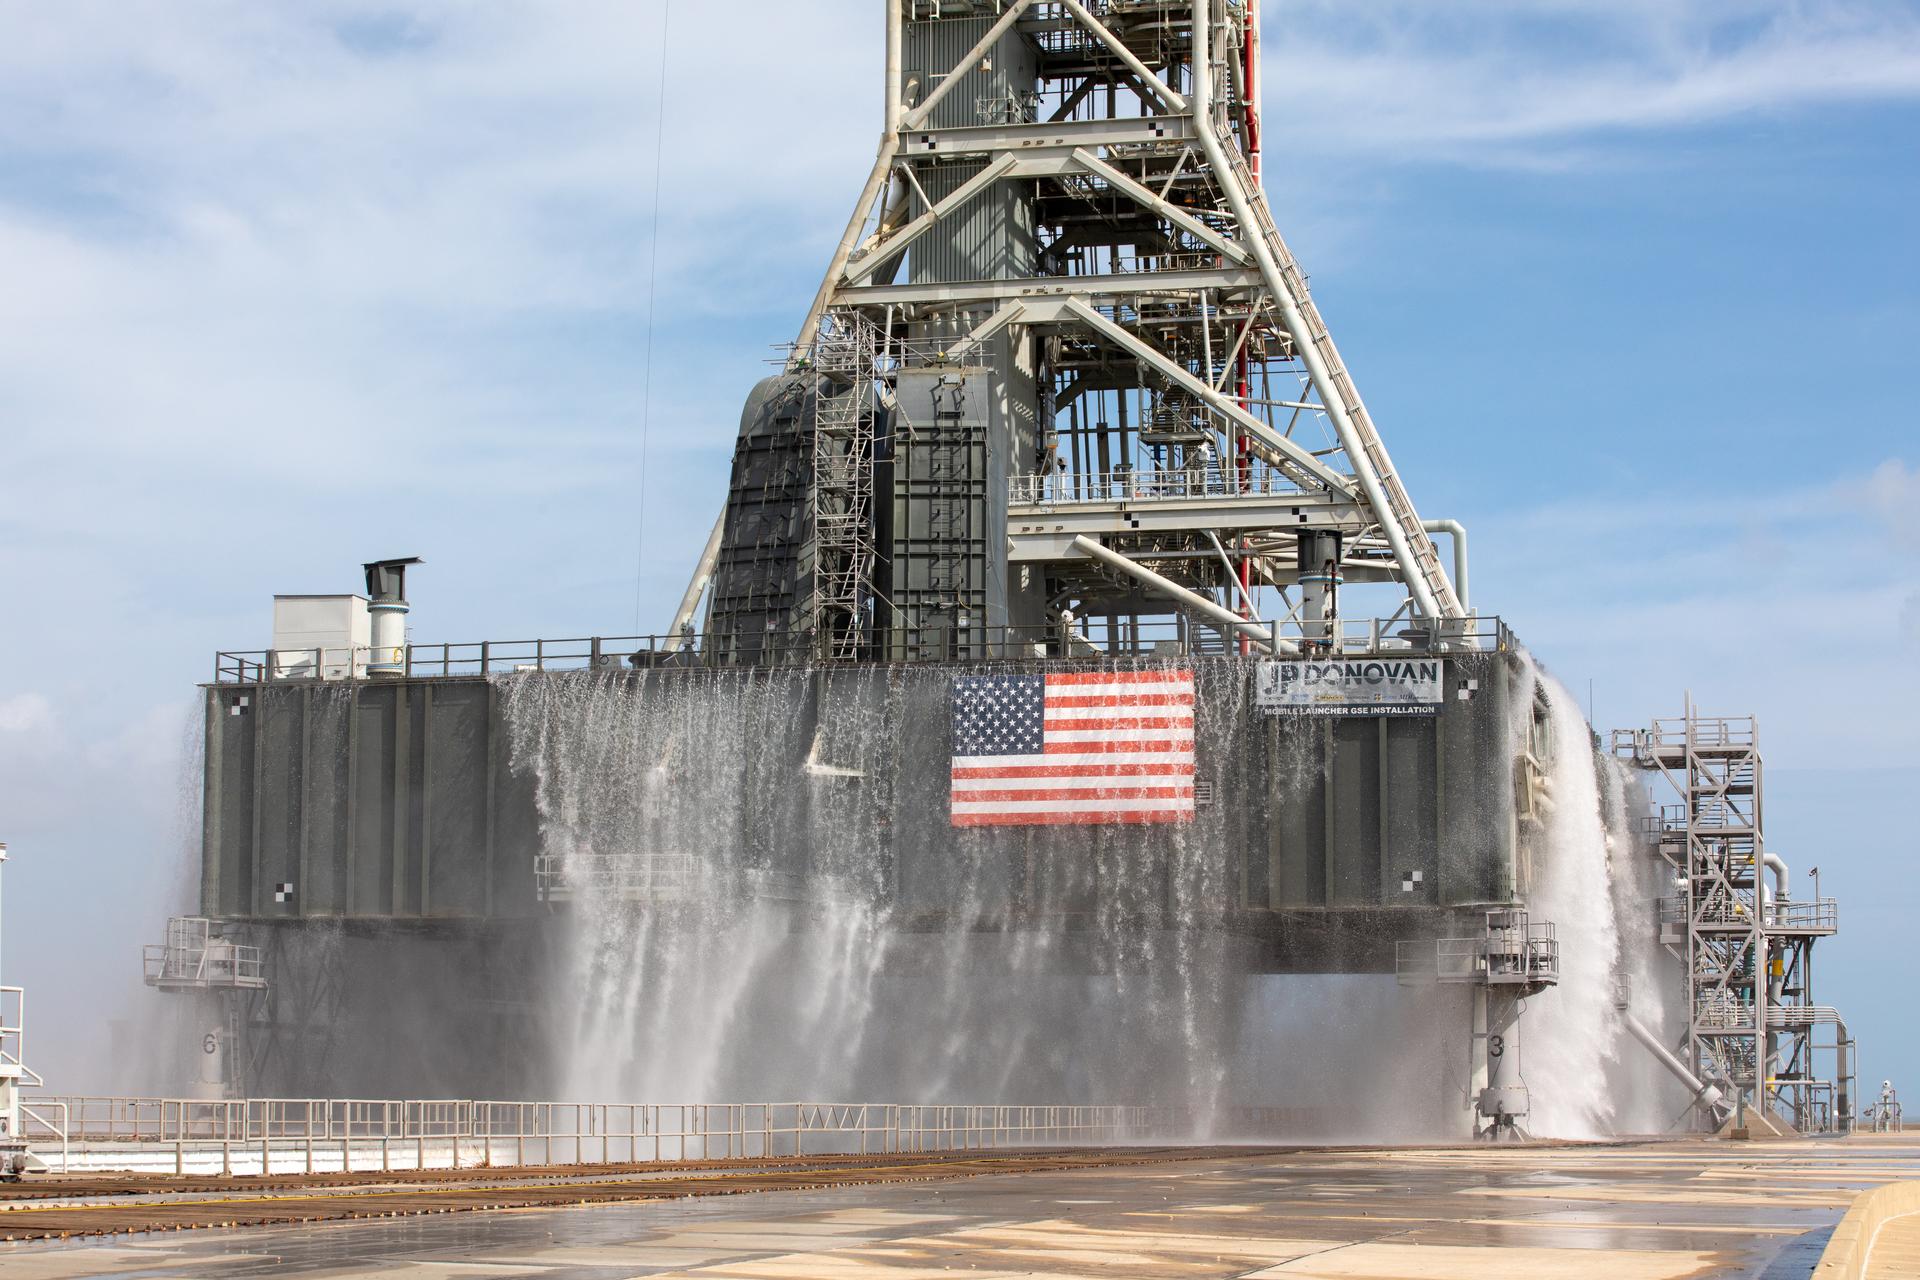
292, 238
1655, 597
1893, 494
1506, 79
25, 713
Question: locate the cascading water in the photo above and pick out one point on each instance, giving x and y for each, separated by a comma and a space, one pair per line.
742, 925
734, 913
1588, 1079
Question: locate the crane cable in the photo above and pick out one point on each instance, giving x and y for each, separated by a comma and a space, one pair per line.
653, 261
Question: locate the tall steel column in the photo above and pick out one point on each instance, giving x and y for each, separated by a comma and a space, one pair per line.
1062, 215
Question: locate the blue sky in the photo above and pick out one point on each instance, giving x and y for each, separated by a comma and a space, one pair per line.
1631, 287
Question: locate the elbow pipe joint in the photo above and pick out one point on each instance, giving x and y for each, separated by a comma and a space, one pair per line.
1778, 865
1458, 532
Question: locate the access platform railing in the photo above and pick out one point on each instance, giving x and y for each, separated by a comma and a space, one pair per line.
1092, 640
311, 1133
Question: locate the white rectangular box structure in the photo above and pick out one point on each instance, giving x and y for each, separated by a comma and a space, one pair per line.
320, 636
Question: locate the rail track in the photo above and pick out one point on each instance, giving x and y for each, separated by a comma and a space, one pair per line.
65, 1207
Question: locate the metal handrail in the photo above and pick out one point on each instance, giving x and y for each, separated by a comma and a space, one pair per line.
1162, 638
632, 1130
1219, 480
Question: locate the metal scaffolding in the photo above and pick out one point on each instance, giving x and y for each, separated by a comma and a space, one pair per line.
1746, 946
846, 351
1065, 216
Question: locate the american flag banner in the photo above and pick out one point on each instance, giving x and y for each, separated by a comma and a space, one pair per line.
1077, 747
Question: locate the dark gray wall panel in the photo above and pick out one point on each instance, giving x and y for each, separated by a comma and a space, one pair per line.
405, 800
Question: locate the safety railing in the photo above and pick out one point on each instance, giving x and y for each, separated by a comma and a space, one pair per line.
639, 877
265, 1133
194, 956
947, 639
1815, 915
677, 877
1710, 733
1720, 1009
13, 1035
1214, 481
1521, 953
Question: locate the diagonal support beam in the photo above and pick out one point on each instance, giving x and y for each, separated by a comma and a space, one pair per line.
1280, 449
1178, 217
896, 243
1159, 88
993, 324
918, 116
1193, 600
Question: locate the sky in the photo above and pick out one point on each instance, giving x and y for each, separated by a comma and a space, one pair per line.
1630, 286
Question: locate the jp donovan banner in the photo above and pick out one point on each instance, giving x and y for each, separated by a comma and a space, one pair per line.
1351, 687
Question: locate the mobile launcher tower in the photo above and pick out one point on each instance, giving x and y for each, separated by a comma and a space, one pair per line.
1061, 411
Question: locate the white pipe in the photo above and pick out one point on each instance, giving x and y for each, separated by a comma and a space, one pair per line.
1192, 599
1704, 1094
882, 166
1233, 576
1778, 865
1333, 403
1458, 532
895, 107
1254, 82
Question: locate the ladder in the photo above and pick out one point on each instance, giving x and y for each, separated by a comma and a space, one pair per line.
845, 350
1400, 507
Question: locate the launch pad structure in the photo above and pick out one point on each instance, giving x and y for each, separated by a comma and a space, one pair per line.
1062, 402
1745, 946
1063, 380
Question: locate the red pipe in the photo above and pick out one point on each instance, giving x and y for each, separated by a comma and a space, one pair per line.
1250, 77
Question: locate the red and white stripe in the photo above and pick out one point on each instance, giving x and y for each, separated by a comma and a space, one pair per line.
1118, 749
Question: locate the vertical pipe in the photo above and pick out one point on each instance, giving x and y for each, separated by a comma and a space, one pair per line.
895, 107
1252, 81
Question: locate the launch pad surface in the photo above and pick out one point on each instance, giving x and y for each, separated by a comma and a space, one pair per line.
1624, 1211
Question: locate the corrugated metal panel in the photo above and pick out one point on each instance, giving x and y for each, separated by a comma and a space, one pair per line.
992, 239
934, 48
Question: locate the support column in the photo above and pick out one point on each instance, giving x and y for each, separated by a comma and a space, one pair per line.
1503, 1102
210, 1081
1320, 578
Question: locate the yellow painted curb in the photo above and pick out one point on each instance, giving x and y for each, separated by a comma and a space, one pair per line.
1847, 1253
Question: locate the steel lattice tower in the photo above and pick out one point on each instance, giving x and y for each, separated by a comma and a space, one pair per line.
1062, 373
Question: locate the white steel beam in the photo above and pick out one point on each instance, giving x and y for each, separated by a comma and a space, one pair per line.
1039, 531
1038, 139
1191, 599
697, 585
882, 165
1125, 284
884, 249
1141, 195
1305, 340
1284, 451
1153, 84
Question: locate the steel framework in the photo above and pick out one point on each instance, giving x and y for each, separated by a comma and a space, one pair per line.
1066, 197
1746, 948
